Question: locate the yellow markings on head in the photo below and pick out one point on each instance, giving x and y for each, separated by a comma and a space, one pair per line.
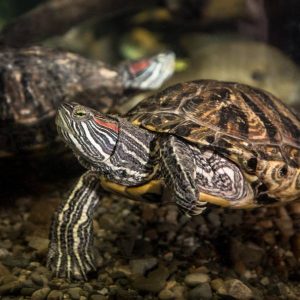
151, 189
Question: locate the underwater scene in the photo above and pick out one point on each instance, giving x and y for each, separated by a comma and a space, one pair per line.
149, 149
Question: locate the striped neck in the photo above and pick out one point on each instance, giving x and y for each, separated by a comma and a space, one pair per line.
134, 158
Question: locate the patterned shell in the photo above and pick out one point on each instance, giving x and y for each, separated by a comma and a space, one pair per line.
232, 117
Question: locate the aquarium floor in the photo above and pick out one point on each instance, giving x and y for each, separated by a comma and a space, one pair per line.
148, 252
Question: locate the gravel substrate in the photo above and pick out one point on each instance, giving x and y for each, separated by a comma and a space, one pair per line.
149, 252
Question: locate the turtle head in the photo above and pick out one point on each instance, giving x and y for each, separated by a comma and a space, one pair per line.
279, 182
91, 135
148, 73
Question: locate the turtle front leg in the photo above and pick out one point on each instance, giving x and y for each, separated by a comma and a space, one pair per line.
71, 237
179, 172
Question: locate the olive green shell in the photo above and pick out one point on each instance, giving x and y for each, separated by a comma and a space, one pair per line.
229, 116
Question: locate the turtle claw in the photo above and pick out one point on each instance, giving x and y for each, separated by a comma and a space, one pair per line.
148, 73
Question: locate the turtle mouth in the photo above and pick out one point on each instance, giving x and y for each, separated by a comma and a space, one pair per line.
60, 121
63, 128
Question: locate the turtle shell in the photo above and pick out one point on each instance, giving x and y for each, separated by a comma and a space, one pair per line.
34, 81
233, 117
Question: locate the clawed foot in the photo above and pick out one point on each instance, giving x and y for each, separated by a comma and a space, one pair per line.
70, 263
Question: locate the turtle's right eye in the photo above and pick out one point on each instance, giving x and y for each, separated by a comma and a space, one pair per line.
80, 113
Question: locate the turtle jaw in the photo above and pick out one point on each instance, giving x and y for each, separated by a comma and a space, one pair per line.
64, 129
64, 112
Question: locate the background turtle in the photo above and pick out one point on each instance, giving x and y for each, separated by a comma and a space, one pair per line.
34, 81
198, 142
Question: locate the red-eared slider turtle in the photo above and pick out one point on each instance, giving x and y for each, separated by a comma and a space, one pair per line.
201, 142
35, 81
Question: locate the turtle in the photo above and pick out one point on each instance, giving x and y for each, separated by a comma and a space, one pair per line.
35, 80
198, 144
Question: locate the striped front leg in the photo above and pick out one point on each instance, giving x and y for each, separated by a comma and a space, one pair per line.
71, 238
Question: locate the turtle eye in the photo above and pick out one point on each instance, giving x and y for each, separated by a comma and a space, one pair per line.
80, 113
250, 164
282, 172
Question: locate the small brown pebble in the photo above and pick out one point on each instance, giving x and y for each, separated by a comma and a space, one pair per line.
218, 285
196, 278
154, 282
55, 295
238, 290
202, 291
140, 266
266, 224
75, 293
38, 279
166, 294
40, 294
269, 237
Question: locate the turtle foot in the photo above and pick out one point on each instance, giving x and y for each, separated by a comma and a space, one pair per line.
71, 264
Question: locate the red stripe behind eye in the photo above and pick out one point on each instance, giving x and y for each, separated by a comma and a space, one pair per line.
139, 66
111, 126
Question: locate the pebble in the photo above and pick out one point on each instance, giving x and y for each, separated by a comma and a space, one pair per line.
155, 281
237, 289
19, 262
87, 287
202, 291
104, 291
75, 292
196, 278
166, 294
39, 244
55, 295
159, 276
265, 281
40, 294
38, 279
218, 285
141, 266
285, 291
